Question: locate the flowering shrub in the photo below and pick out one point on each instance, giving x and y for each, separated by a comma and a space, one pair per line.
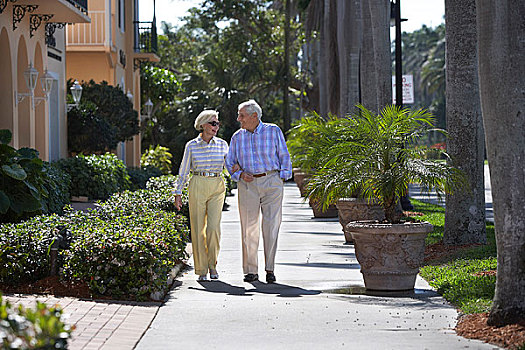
24, 248
41, 328
127, 256
125, 248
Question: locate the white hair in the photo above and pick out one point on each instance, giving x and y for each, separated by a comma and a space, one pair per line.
204, 117
251, 107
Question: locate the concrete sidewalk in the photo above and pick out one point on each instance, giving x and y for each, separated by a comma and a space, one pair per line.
318, 302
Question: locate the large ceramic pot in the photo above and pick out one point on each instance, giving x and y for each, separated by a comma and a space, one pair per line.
356, 209
317, 208
389, 254
300, 180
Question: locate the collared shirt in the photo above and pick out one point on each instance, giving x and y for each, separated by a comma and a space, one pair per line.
262, 151
200, 155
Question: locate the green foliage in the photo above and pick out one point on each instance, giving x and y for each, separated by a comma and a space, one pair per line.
124, 249
22, 191
96, 176
24, 248
125, 255
38, 328
164, 185
57, 186
140, 176
372, 155
88, 132
104, 118
219, 67
158, 157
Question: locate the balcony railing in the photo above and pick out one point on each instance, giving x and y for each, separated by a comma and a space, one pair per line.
80, 4
89, 34
145, 37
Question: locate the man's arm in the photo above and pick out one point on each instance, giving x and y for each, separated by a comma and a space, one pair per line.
231, 159
284, 156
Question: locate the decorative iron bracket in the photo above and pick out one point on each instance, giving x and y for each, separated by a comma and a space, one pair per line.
3, 4
19, 11
35, 21
137, 62
50, 32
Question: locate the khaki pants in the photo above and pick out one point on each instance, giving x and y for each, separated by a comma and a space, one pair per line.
206, 198
262, 195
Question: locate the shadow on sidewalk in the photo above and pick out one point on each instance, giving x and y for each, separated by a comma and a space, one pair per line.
280, 290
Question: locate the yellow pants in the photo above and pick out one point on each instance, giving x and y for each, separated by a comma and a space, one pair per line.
206, 198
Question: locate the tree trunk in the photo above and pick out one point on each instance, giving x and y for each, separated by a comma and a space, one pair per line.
380, 19
376, 67
368, 76
332, 61
349, 44
323, 62
501, 35
465, 211
286, 101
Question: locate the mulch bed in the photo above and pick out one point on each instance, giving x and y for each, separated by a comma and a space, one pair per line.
475, 326
52, 286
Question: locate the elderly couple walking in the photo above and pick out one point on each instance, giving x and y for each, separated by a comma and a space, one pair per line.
259, 161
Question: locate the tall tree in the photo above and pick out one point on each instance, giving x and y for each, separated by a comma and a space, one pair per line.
286, 83
501, 35
465, 211
349, 46
329, 59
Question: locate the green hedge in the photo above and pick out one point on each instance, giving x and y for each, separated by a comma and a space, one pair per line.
38, 328
24, 248
124, 248
128, 256
96, 176
140, 176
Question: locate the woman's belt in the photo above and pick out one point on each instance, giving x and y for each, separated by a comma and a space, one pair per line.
205, 173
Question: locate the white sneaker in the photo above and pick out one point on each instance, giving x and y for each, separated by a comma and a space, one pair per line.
214, 275
202, 278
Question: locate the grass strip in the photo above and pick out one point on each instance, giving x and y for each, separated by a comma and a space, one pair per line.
464, 276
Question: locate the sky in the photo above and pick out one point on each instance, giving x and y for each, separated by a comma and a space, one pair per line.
417, 12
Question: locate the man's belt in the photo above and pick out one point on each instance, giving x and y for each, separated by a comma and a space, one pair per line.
205, 173
264, 174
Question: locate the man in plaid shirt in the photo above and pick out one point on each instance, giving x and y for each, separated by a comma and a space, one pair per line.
260, 151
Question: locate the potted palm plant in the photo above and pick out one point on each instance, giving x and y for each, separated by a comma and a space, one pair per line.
376, 160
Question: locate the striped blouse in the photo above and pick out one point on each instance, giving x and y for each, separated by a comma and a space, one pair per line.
201, 156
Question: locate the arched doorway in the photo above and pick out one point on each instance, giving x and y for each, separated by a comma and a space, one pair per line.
6, 83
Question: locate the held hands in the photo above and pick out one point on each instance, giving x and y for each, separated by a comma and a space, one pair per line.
178, 201
236, 168
246, 176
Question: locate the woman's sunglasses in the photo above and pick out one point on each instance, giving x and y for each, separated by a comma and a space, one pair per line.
214, 123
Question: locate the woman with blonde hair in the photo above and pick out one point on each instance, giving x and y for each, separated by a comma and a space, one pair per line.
204, 158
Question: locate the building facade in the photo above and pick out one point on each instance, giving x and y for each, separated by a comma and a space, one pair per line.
32, 41
111, 48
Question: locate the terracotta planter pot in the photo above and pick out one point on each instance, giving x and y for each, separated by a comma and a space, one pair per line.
330, 212
389, 254
300, 180
355, 209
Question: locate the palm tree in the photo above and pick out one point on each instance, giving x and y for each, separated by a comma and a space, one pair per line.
465, 212
501, 73
367, 156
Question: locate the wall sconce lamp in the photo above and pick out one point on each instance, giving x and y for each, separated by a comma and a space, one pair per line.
149, 110
76, 92
129, 95
31, 78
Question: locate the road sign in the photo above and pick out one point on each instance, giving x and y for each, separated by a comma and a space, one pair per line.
408, 89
